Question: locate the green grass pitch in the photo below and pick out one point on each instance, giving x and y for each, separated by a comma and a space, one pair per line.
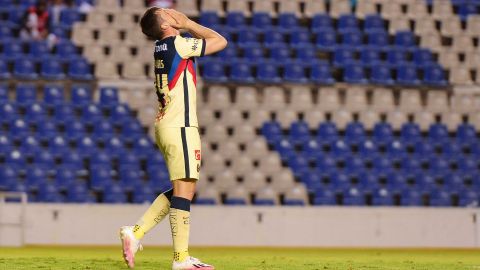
109, 258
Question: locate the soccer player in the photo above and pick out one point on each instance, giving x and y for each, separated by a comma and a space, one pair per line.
176, 128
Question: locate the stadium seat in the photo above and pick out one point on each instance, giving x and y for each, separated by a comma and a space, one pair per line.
79, 70
24, 69
52, 70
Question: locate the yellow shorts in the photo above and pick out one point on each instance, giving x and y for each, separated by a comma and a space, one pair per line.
181, 148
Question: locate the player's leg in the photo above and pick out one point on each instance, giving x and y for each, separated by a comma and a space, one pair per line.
183, 191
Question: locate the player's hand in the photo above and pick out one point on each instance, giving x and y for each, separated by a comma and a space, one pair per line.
176, 19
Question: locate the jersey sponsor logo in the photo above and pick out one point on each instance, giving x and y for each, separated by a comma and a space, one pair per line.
198, 155
198, 167
195, 44
161, 47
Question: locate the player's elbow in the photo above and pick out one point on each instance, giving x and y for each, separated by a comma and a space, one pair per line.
223, 43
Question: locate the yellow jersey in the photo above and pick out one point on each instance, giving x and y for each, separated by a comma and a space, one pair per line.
176, 79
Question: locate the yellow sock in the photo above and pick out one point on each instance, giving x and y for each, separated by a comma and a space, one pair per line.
180, 226
154, 214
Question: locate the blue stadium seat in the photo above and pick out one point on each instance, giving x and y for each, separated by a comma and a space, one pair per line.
287, 20
370, 56
214, 72
352, 39
440, 198
35, 112
85, 146
58, 146
279, 53
253, 53
16, 16
327, 131
347, 22
8, 112
273, 39
44, 158
468, 198
81, 95
324, 197
272, 131
38, 50
4, 71
143, 194
5, 32
247, 37
235, 19
27, 3
3, 93
209, 19
373, 22
343, 57
26, 93
405, 39
300, 39
326, 39
49, 193
466, 132
24, 69
285, 148
294, 74
434, 75
52, 70
77, 192
69, 16
115, 146
63, 112
108, 96
422, 57
66, 51
261, 20
353, 197
382, 197
73, 161
53, 94
321, 21
397, 56
19, 128
12, 51
241, 73
8, 176
355, 132
129, 176
411, 197
377, 39
410, 132
438, 132
120, 113
35, 177
102, 130
467, 8
381, 74
299, 132
407, 75
322, 74
368, 148
268, 73
79, 70
354, 74
91, 113
132, 130
305, 54
100, 178
29, 146
340, 148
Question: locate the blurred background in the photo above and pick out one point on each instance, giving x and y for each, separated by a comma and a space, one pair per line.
357, 121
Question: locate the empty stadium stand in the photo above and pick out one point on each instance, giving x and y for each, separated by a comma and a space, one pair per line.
312, 103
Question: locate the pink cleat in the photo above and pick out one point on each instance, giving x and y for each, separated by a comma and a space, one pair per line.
130, 245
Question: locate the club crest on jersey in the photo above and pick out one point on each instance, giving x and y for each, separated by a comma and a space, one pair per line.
198, 156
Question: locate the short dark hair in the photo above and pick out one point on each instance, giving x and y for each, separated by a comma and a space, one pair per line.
149, 24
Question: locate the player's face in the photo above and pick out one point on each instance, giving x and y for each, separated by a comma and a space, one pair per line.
165, 25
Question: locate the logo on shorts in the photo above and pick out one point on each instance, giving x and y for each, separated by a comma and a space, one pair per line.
198, 156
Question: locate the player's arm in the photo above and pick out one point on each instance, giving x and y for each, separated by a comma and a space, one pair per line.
214, 42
